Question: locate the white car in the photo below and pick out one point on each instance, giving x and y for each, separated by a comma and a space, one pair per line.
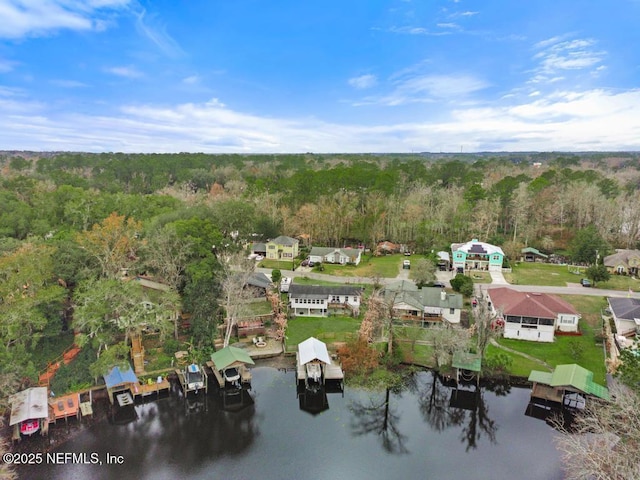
406, 264
259, 258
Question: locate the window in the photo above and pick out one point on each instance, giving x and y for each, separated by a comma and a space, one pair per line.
271, 247
452, 311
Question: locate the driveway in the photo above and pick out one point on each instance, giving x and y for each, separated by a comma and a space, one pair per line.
497, 278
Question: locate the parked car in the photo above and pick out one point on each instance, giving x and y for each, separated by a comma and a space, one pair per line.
259, 258
438, 284
305, 263
407, 253
406, 264
585, 282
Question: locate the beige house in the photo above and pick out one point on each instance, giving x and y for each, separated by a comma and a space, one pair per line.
623, 262
282, 248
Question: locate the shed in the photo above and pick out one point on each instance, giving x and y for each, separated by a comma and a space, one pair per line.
530, 254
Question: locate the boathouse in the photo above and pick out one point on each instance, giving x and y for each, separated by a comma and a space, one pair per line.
29, 412
568, 385
314, 365
120, 385
229, 366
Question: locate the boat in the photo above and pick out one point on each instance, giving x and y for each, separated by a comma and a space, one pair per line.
314, 372
29, 427
194, 377
232, 376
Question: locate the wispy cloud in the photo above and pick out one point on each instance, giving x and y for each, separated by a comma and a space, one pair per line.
192, 80
363, 81
68, 83
412, 85
150, 27
558, 55
7, 65
570, 121
127, 72
22, 18
413, 30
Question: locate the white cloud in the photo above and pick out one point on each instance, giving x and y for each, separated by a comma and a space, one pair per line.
40, 17
127, 72
557, 54
363, 81
191, 80
149, 27
412, 30
412, 86
6, 65
68, 83
565, 120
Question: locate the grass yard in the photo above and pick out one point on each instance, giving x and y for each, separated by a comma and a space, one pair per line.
387, 266
328, 329
585, 350
526, 273
559, 275
277, 264
480, 277
258, 308
368, 288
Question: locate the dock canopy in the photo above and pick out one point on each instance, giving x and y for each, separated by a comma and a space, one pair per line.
313, 349
229, 356
570, 377
29, 404
117, 377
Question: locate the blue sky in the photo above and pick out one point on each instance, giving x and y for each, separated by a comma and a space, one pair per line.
255, 76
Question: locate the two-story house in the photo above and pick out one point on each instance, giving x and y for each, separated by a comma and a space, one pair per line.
476, 255
282, 248
321, 301
531, 316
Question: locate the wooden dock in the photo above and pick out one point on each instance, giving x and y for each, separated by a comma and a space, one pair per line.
245, 374
64, 407
150, 388
547, 393
184, 383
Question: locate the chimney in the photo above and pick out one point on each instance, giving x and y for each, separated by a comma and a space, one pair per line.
443, 295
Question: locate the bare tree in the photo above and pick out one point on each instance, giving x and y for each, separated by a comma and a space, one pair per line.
603, 442
235, 272
485, 327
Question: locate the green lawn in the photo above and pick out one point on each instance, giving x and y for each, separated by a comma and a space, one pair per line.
368, 288
387, 266
520, 366
258, 308
559, 275
278, 264
543, 274
328, 329
480, 277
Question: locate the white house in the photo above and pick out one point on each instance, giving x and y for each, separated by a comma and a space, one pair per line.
340, 256
532, 316
626, 315
428, 304
320, 301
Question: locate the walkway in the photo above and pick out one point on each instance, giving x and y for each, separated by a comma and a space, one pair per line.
515, 352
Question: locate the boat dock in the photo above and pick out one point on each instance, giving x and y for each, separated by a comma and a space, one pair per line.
188, 386
144, 389
245, 373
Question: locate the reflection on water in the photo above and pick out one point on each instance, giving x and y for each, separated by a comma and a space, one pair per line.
426, 429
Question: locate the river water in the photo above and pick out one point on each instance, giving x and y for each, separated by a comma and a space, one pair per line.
427, 430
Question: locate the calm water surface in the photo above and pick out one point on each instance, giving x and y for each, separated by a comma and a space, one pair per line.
416, 434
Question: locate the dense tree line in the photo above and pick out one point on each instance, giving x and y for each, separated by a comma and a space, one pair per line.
72, 223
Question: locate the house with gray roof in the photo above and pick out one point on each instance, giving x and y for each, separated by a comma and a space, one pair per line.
427, 304
323, 300
282, 248
623, 262
340, 256
626, 315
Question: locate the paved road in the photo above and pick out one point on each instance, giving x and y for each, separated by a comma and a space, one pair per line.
445, 277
